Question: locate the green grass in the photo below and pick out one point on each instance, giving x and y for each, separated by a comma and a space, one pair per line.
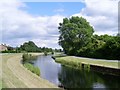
0, 84
57, 55
3, 84
71, 60
27, 58
32, 68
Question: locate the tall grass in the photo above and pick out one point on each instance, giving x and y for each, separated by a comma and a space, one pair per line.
72, 63
32, 68
27, 58
87, 67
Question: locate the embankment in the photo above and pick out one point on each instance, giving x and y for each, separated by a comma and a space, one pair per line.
103, 66
15, 75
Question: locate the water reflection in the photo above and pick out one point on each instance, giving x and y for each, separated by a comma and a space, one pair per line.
73, 78
49, 69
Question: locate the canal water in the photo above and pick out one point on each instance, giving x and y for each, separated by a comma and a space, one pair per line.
73, 78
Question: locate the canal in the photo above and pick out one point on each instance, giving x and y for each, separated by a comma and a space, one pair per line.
73, 78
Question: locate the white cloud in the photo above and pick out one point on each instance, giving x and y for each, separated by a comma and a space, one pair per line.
102, 15
18, 26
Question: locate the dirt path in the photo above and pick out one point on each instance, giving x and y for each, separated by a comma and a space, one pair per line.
16, 76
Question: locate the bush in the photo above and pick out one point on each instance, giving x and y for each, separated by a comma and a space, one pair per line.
32, 68
28, 57
52, 52
45, 53
8, 51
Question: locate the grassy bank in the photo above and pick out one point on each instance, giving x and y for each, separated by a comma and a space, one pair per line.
77, 61
32, 68
15, 75
27, 59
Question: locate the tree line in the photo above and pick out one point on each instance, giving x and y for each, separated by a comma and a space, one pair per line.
30, 46
77, 38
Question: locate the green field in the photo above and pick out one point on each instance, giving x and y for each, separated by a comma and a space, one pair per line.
76, 60
15, 75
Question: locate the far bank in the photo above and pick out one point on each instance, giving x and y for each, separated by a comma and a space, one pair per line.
103, 66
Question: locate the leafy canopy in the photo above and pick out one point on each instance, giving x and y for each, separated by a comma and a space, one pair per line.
75, 32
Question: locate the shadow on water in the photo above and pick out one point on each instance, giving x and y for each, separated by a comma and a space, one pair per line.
73, 78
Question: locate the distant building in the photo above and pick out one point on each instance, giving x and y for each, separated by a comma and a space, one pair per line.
3, 47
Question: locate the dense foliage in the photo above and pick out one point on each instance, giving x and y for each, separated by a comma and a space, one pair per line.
31, 47
76, 38
8, 51
75, 33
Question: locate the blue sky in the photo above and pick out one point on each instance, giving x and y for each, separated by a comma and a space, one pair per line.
39, 21
52, 8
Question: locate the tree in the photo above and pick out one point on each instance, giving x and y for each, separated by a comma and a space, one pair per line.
111, 49
29, 47
10, 48
75, 33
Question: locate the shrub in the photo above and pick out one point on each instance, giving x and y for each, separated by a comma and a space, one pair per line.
25, 57
8, 51
45, 53
28, 57
52, 52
